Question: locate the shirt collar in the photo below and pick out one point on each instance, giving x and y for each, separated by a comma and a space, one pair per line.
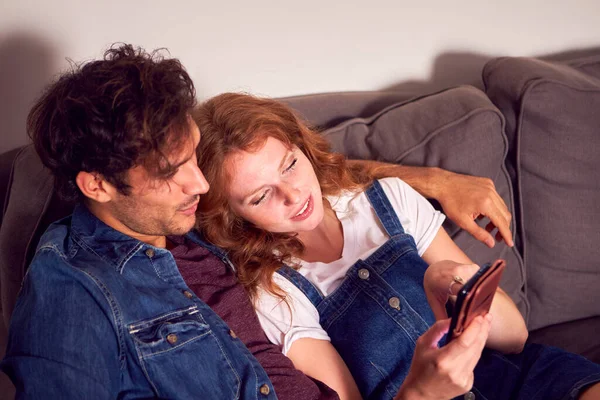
117, 248
108, 243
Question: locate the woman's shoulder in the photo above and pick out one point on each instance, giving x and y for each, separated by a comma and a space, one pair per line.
287, 320
396, 190
393, 183
399, 192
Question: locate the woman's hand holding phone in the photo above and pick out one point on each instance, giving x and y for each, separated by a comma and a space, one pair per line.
440, 285
445, 372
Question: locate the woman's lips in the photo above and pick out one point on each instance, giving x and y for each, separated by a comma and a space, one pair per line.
306, 210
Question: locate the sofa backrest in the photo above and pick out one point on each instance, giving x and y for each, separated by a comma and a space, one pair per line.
552, 113
457, 129
6, 161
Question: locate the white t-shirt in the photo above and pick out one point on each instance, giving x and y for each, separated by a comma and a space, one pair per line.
363, 234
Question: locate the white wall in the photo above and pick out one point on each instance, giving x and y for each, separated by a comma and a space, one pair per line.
280, 48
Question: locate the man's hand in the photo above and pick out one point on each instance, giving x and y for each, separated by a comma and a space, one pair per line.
447, 372
465, 198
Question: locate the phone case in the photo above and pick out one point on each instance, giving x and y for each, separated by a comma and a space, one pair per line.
475, 297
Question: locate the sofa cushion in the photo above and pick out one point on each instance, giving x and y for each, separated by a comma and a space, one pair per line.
458, 129
552, 122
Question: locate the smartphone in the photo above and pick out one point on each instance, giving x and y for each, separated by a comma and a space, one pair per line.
475, 297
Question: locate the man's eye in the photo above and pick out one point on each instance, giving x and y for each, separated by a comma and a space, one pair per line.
292, 165
171, 174
257, 202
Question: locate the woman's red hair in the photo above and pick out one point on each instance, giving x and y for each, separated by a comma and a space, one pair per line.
234, 122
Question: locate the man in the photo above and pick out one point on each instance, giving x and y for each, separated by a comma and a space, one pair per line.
120, 300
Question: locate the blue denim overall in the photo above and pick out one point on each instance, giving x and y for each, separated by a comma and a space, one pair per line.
379, 311
376, 315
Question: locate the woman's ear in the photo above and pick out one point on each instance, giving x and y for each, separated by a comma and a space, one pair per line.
95, 187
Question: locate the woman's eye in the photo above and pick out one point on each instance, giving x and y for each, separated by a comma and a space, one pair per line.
292, 165
257, 202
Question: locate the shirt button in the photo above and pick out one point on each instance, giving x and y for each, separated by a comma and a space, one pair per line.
469, 396
149, 253
394, 302
264, 389
172, 338
363, 273
232, 334
188, 294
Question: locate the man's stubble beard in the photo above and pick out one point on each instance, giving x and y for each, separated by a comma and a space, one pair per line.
146, 222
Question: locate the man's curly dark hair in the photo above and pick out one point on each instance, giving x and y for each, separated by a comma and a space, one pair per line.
106, 116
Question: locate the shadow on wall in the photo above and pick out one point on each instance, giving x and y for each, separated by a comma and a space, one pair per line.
462, 68
449, 69
26, 67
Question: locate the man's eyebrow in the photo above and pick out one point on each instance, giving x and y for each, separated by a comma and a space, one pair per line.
184, 160
179, 164
174, 166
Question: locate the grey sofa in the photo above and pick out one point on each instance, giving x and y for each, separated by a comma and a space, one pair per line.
535, 132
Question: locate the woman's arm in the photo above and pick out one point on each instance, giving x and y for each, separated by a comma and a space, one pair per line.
464, 198
509, 332
320, 360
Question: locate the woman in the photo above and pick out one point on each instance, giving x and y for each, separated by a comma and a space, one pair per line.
372, 268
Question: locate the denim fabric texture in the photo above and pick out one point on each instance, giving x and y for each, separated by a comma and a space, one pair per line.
375, 317
379, 311
101, 315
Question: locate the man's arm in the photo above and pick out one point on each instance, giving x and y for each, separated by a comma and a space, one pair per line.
464, 198
61, 344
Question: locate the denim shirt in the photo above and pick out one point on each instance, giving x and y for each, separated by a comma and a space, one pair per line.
101, 315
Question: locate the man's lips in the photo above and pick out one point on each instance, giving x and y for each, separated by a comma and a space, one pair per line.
189, 209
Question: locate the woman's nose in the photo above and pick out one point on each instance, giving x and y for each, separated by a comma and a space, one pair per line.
290, 194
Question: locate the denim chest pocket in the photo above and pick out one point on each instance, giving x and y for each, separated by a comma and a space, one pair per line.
183, 358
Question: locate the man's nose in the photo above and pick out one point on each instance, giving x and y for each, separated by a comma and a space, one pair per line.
291, 194
195, 182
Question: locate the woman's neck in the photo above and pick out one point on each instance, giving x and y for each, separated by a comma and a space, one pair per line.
326, 242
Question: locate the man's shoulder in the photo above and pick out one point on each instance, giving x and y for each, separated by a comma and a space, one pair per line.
56, 235
62, 256
56, 246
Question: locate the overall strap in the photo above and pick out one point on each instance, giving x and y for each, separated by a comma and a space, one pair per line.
301, 283
384, 210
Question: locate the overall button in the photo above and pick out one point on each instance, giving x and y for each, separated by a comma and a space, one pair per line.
149, 253
232, 334
188, 294
172, 338
469, 396
264, 389
394, 302
363, 273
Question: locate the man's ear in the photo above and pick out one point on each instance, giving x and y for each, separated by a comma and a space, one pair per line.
95, 187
